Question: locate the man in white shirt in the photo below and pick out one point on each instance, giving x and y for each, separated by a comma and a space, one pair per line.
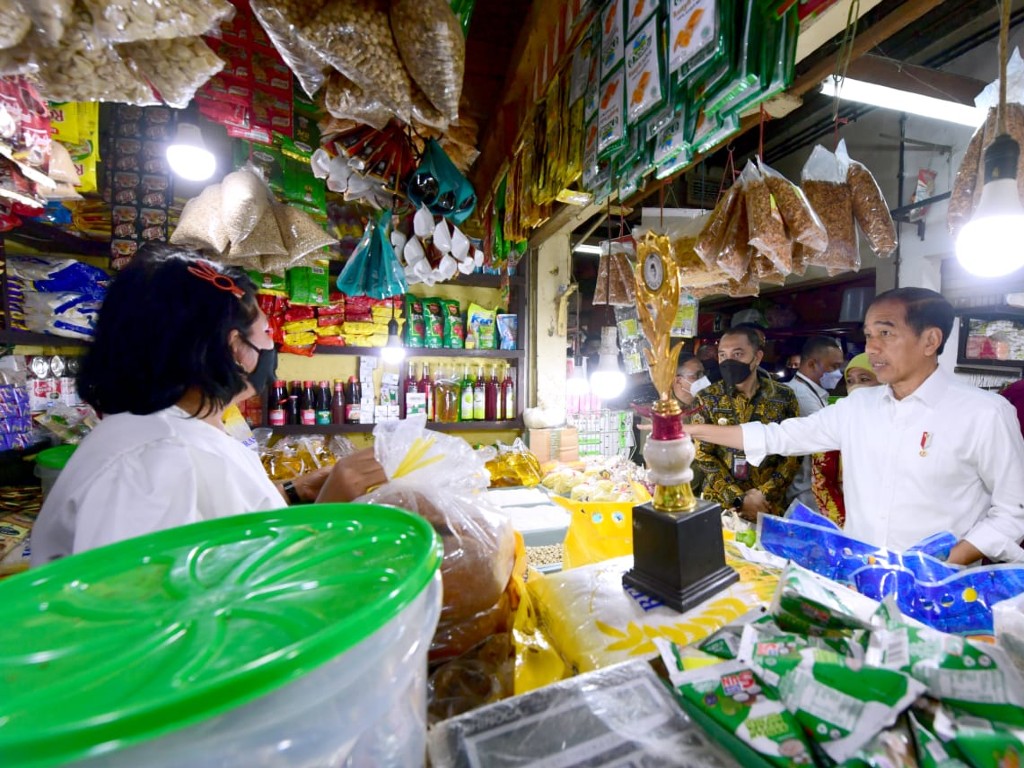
925, 453
821, 368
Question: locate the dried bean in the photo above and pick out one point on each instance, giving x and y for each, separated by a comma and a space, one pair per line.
433, 48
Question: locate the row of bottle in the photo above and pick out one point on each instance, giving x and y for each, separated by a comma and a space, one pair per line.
311, 403
448, 397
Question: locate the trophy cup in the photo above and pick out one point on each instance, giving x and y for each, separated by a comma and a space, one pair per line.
678, 551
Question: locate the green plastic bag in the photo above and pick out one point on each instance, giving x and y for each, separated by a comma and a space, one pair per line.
438, 185
373, 269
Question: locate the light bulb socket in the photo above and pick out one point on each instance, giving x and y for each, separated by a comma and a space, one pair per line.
1001, 157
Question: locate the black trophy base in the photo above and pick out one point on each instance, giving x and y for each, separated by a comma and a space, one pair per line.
679, 557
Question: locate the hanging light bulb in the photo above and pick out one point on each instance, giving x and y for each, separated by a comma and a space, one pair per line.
577, 383
988, 245
188, 156
393, 352
607, 381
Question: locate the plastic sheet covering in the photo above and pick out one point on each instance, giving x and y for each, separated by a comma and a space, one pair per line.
442, 478
618, 716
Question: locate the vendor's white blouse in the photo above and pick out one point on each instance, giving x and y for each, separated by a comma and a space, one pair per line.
137, 474
948, 457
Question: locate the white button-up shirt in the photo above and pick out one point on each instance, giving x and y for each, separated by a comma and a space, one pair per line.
948, 457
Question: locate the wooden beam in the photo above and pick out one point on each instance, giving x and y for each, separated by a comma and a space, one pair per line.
565, 219
921, 80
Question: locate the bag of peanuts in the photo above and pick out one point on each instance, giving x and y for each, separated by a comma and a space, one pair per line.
346, 100
281, 20
175, 68
823, 181
49, 18
14, 23
354, 37
869, 206
433, 49
764, 221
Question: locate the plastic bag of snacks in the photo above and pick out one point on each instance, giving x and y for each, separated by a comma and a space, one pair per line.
869, 206
442, 478
433, 49
345, 99
354, 36
244, 203
764, 221
175, 68
201, 225
281, 19
49, 18
802, 223
823, 181
124, 21
735, 253
14, 23
712, 238
300, 234
263, 241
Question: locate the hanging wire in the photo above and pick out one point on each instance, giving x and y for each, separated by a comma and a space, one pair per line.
844, 56
1004, 34
729, 172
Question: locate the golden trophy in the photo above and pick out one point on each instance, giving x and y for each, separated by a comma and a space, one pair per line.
678, 551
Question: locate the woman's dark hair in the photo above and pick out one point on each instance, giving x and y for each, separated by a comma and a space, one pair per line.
163, 330
923, 308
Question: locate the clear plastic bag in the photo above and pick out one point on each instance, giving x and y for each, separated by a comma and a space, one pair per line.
869, 206
264, 240
344, 99
442, 478
175, 68
200, 225
735, 252
14, 23
823, 181
281, 20
83, 68
125, 21
709, 243
764, 221
354, 37
299, 233
244, 202
433, 49
49, 18
802, 223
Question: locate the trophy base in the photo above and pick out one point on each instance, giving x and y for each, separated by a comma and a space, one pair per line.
679, 558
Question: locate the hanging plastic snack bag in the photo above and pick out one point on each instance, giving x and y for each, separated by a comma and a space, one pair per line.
611, 114
454, 325
438, 186
802, 223
965, 184
49, 18
175, 68
281, 20
695, 35
433, 324
244, 203
712, 238
124, 21
442, 478
734, 256
14, 23
644, 78
300, 234
201, 225
373, 269
612, 36
869, 207
354, 36
415, 325
263, 241
731, 695
344, 99
823, 181
481, 324
764, 221
433, 49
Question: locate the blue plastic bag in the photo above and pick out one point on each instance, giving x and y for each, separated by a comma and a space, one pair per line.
373, 269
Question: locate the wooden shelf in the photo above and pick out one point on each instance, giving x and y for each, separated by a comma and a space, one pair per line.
31, 339
417, 352
55, 240
342, 429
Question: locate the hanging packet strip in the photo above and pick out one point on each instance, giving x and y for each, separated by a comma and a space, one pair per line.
637, 12
644, 79
693, 34
611, 129
612, 34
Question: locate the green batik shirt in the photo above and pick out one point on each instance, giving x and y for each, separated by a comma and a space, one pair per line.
727, 475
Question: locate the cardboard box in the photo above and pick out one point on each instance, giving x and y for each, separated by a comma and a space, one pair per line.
560, 444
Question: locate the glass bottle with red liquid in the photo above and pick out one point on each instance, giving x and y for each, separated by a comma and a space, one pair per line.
426, 386
491, 388
338, 403
277, 404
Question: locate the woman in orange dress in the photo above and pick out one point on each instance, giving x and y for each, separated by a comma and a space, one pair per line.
826, 470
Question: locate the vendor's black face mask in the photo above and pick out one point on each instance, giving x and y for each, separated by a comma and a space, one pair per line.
734, 372
265, 371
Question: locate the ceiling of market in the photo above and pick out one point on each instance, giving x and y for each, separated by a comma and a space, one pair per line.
929, 33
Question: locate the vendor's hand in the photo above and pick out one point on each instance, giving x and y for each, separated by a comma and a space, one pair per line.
308, 485
753, 503
351, 477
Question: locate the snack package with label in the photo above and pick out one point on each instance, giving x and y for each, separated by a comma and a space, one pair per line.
415, 324
481, 324
732, 696
454, 332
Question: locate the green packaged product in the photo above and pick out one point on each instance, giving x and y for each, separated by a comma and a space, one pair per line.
931, 753
807, 603
267, 158
611, 115
612, 35
732, 696
744, 79
309, 285
695, 35
415, 330
725, 642
761, 642
268, 283
433, 324
454, 326
482, 331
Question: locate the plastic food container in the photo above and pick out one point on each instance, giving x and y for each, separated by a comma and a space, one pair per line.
290, 638
49, 464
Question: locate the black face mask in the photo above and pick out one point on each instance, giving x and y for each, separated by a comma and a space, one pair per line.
265, 371
734, 372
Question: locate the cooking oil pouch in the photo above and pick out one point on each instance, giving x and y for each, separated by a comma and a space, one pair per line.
612, 36
977, 678
433, 324
645, 82
841, 703
454, 327
482, 327
611, 128
733, 697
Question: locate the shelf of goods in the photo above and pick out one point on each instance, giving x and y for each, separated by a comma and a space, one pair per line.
414, 353
455, 426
